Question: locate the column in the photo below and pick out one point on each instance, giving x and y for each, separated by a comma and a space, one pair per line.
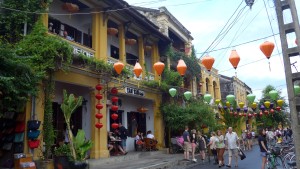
122, 50
44, 18
155, 58
158, 122
96, 34
142, 55
103, 37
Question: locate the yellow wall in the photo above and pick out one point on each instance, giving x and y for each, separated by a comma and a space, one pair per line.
213, 77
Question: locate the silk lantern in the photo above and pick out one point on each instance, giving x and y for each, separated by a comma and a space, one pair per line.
273, 94
278, 108
254, 106
262, 108
118, 66
114, 116
217, 101
272, 111
208, 62
159, 67
137, 69
114, 99
114, 108
99, 106
230, 98
98, 125
172, 92
115, 125
181, 67
227, 104
98, 96
98, 87
250, 98
114, 91
99, 115
187, 95
279, 103
241, 104
267, 104
207, 98
234, 59
267, 48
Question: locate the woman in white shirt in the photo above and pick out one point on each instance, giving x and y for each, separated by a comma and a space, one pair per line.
213, 147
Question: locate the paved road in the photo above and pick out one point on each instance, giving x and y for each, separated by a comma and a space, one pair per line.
253, 161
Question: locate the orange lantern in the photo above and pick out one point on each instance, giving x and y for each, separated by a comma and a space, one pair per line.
208, 62
130, 41
70, 7
159, 67
118, 66
181, 67
137, 69
112, 31
267, 48
234, 59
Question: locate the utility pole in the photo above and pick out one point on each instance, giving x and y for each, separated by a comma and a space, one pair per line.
284, 29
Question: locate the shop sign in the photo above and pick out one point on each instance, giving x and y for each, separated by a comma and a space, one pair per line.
134, 91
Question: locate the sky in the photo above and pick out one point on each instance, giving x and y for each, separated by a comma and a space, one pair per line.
206, 18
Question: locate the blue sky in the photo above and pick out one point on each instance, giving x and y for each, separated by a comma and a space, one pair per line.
205, 19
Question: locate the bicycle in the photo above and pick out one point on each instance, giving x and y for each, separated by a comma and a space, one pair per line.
271, 162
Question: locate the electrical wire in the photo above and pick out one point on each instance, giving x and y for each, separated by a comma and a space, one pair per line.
220, 33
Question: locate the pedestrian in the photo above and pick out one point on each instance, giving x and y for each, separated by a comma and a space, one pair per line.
212, 143
193, 144
123, 135
244, 139
249, 139
262, 142
186, 144
202, 145
220, 148
231, 140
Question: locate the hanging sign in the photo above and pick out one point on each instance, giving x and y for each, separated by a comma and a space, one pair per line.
134, 91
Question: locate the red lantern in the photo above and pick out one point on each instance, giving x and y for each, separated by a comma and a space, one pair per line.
98, 125
230, 113
267, 48
260, 113
181, 67
115, 125
278, 108
272, 111
114, 108
266, 112
159, 67
208, 62
249, 115
137, 69
98, 96
235, 114
254, 114
245, 114
114, 116
118, 66
114, 91
234, 59
114, 99
112, 31
99, 116
99, 106
98, 87
240, 114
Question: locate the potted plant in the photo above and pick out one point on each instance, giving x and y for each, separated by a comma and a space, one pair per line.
61, 156
79, 146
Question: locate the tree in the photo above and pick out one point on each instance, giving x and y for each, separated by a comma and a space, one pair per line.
278, 117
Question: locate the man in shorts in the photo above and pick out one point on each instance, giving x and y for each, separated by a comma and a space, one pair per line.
231, 140
186, 143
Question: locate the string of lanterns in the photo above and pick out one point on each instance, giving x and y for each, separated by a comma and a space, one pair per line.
99, 106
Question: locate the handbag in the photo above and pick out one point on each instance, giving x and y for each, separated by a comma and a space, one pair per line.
241, 154
33, 124
20, 127
33, 143
19, 137
18, 148
33, 134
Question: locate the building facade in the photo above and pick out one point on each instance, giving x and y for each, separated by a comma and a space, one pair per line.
89, 33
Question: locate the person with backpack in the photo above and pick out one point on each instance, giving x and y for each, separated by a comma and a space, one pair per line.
202, 145
123, 135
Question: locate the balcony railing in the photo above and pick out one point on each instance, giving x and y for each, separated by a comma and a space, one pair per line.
78, 48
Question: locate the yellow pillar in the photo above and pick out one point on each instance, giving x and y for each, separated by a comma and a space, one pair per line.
28, 116
96, 34
103, 37
158, 122
44, 18
155, 58
122, 50
142, 54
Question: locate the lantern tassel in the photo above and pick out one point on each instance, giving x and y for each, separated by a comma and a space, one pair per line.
269, 66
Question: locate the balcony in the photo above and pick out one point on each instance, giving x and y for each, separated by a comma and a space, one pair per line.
150, 76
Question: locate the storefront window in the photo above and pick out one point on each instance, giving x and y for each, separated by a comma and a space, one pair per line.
136, 122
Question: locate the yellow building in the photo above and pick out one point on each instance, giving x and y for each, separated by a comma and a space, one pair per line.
234, 86
91, 33
210, 83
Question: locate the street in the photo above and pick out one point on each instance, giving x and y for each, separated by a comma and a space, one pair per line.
252, 161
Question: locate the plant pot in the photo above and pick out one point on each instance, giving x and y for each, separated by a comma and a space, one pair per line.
45, 164
61, 161
78, 165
